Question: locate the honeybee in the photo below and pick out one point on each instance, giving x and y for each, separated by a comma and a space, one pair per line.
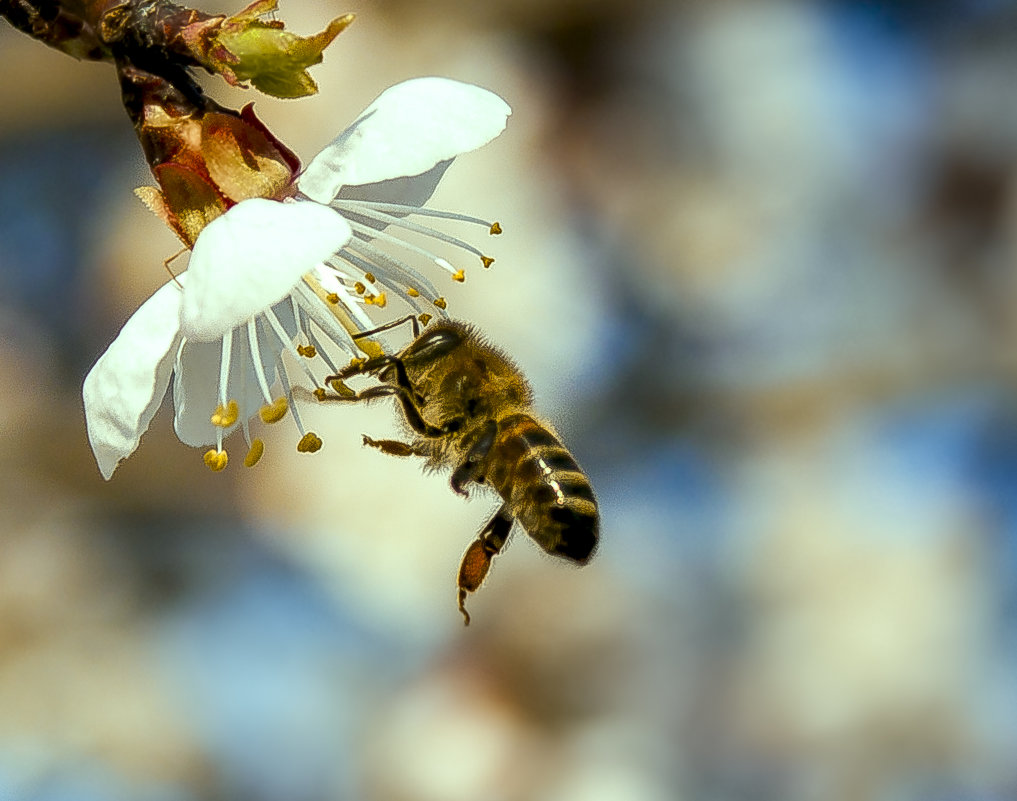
470, 410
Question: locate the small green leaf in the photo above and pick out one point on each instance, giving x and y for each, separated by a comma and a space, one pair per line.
274, 60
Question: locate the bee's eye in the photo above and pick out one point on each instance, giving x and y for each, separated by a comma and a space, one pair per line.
434, 344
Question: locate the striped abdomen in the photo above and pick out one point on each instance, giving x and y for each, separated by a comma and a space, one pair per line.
544, 488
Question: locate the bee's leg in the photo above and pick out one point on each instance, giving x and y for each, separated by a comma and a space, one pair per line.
380, 391
392, 447
414, 418
416, 422
477, 559
469, 469
376, 365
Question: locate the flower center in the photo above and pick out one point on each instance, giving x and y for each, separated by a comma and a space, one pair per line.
251, 359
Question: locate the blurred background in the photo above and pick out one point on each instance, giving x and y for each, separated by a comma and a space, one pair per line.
760, 263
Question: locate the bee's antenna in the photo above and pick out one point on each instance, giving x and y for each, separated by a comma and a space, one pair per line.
388, 326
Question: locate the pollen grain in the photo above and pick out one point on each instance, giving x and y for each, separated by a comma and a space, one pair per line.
309, 443
275, 411
255, 453
225, 416
215, 460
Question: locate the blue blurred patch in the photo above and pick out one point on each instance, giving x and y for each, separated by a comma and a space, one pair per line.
51, 185
273, 679
82, 779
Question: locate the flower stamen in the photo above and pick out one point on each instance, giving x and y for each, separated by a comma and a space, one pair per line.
254, 453
354, 208
226, 416
275, 411
367, 233
216, 459
308, 332
227, 412
252, 339
389, 267
421, 211
309, 443
344, 310
288, 346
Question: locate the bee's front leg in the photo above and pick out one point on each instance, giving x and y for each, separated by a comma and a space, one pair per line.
377, 365
477, 559
478, 447
413, 417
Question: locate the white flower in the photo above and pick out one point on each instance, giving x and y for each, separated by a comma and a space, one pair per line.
270, 277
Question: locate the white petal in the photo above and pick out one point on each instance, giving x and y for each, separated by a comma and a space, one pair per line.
410, 190
125, 387
196, 392
409, 129
250, 258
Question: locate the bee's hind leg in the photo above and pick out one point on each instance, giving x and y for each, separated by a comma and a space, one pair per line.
392, 447
477, 559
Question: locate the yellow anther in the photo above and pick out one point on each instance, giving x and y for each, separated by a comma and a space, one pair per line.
356, 364
370, 347
487, 261
225, 416
307, 350
340, 388
378, 300
459, 276
275, 411
412, 292
369, 277
309, 443
495, 228
255, 453
441, 303
215, 460
424, 318
332, 297
320, 393
360, 288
